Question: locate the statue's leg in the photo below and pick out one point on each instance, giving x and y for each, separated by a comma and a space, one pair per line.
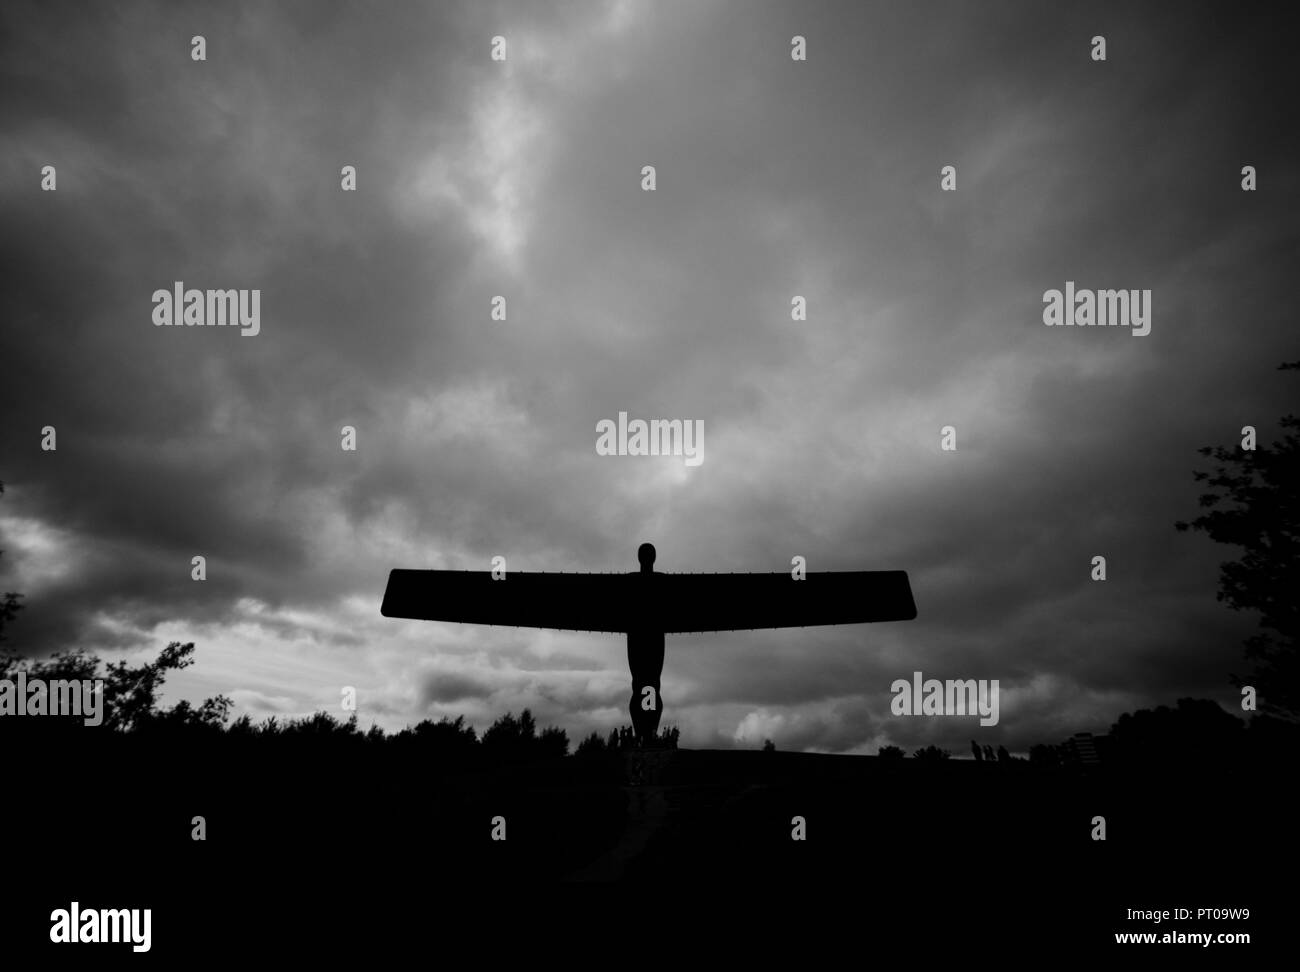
645, 657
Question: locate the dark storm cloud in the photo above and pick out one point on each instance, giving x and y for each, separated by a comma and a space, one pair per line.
476, 438
218, 174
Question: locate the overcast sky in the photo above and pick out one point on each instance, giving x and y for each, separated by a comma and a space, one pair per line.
476, 438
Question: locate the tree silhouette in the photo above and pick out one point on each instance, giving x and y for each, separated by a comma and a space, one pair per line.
891, 752
510, 739
1263, 488
516, 740
931, 754
553, 743
593, 745
624, 737
1197, 731
130, 691
445, 735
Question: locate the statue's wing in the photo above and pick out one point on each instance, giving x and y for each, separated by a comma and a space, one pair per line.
723, 602
663, 602
578, 602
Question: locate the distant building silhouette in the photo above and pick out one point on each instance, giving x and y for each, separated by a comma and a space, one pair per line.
1082, 749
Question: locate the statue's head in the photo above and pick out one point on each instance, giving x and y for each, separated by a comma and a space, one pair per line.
645, 554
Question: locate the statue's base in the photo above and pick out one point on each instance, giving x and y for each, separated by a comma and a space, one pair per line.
649, 767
